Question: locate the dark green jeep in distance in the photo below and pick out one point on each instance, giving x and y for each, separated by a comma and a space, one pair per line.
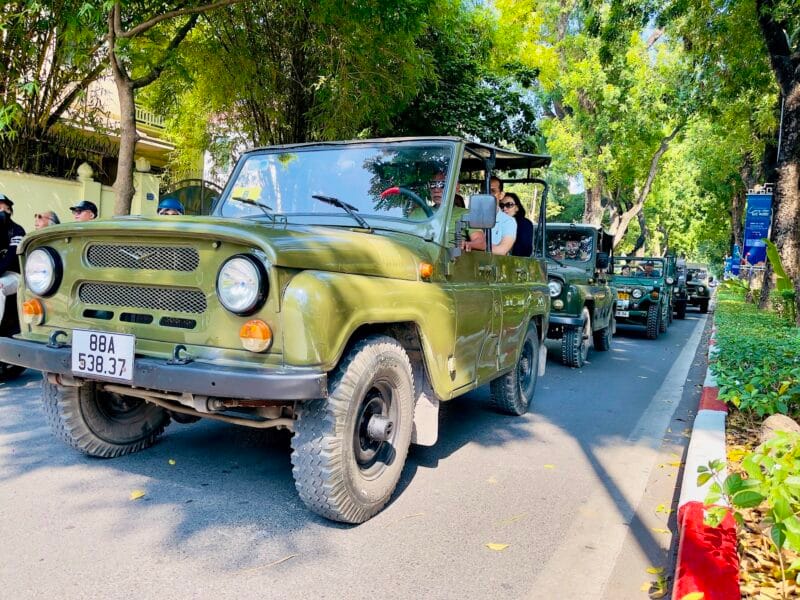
697, 284
327, 294
680, 291
644, 292
581, 297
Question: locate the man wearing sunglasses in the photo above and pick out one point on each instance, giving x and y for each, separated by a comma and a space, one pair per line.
84, 211
11, 235
504, 231
45, 219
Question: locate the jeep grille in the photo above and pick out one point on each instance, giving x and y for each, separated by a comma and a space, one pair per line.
155, 258
141, 296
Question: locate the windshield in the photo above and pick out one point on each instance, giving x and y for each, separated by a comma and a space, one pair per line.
639, 267
568, 244
697, 275
406, 181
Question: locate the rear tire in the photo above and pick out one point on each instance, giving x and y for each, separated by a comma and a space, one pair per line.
680, 309
100, 423
653, 321
575, 342
341, 470
513, 392
602, 338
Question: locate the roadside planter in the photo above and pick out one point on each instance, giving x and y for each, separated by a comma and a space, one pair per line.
327, 294
644, 292
581, 296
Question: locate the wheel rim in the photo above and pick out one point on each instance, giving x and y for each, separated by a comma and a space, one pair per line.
373, 456
119, 409
587, 333
526, 369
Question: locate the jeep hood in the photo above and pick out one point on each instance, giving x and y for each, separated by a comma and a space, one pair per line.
339, 249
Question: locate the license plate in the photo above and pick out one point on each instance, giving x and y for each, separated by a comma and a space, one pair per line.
103, 355
622, 313
623, 295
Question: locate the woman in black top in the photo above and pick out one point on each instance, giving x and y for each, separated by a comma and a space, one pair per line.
523, 245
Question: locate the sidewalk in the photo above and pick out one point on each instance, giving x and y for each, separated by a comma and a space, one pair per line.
707, 563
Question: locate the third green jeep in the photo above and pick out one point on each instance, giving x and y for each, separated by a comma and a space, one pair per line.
644, 292
582, 299
327, 294
697, 284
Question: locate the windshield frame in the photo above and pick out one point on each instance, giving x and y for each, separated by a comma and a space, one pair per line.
432, 228
659, 264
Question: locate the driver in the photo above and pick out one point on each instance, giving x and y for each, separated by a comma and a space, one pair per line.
648, 269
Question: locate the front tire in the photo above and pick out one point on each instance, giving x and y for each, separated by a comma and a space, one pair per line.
100, 423
512, 393
575, 342
344, 468
602, 338
704, 306
664, 321
653, 321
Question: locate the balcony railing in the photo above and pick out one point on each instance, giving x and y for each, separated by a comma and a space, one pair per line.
145, 117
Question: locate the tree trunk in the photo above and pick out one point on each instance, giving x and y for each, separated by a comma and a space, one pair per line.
593, 205
128, 136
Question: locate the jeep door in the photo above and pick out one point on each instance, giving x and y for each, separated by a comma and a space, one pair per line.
471, 282
519, 300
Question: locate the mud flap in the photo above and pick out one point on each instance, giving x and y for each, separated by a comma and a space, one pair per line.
426, 420
542, 359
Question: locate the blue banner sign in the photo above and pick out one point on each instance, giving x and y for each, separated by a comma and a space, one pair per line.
756, 227
736, 259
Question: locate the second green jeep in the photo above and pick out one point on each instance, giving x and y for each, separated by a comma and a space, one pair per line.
582, 299
697, 284
327, 294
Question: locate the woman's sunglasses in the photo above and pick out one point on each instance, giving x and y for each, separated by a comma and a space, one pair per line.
507, 204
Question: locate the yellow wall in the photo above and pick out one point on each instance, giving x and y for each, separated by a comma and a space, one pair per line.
33, 194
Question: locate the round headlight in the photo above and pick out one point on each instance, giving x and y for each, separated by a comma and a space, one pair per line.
240, 284
670, 281
43, 271
636, 293
555, 288
700, 289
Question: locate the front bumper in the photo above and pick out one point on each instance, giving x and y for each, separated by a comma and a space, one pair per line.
196, 377
565, 320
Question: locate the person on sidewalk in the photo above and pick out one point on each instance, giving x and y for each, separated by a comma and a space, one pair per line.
11, 235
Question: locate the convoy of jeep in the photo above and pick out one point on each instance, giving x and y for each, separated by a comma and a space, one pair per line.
328, 294
581, 297
644, 292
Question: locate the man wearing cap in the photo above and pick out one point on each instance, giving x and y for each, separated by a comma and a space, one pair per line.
84, 211
170, 207
11, 235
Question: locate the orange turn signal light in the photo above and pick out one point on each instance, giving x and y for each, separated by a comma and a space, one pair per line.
33, 312
654, 294
425, 270
256, 335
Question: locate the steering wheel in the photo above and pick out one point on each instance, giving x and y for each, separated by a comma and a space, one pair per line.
415, 198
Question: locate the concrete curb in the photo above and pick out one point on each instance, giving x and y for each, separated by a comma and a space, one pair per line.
707, 560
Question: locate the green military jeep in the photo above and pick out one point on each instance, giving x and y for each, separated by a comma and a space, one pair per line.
697, 284
327, 294
644, 292
680, 292
581, 297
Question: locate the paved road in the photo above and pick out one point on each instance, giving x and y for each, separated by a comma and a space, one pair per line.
568, 487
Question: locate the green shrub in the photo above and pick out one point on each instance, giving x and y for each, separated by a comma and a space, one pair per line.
758, 367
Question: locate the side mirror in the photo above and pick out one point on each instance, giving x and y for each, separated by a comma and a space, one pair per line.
482, 211
602, 260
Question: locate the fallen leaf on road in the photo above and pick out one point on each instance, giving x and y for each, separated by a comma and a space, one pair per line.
675, 463
549, 466
136, 494
655, 570
645, 587
171, 461
491, 480
513, 519
694, 596
660, 530
497, 547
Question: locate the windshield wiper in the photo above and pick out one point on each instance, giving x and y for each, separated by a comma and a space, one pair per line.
266, 209
349, 208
